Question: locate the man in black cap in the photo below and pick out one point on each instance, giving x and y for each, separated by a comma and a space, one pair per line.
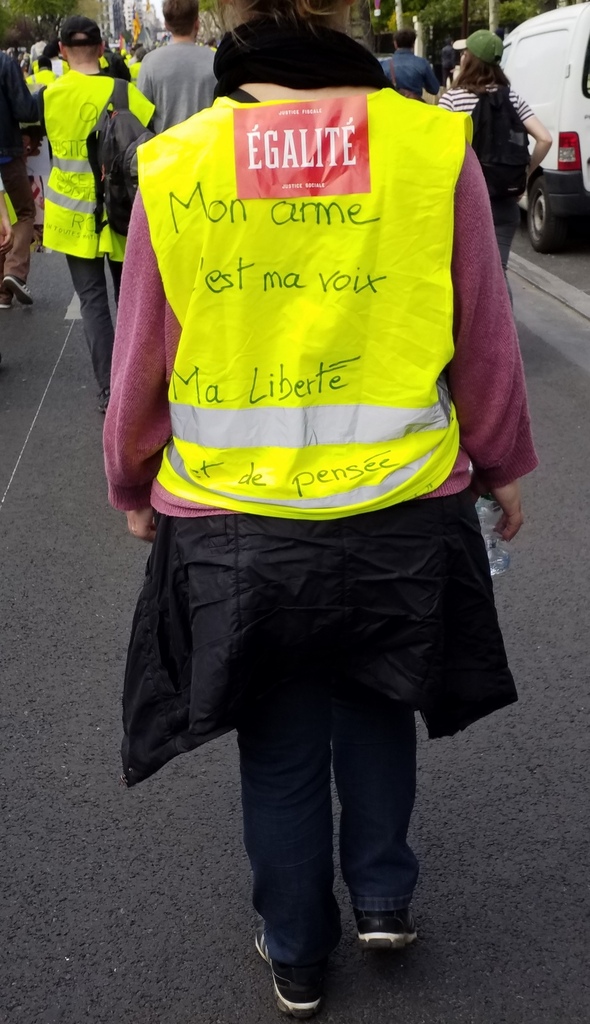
73, 106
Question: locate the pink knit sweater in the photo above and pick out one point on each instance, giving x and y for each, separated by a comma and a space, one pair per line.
486, 375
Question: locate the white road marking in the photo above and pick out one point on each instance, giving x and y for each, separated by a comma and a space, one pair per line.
35, 418
73, 310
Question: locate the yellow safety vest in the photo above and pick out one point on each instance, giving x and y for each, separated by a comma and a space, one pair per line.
316, 326
64, 64
73, 106
42, 77
10, 208
134, 70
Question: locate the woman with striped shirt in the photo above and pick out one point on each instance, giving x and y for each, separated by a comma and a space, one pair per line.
480, 72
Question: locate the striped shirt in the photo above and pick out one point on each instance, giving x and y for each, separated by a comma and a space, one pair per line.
462, 101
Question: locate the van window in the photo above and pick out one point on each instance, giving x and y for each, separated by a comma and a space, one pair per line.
586, 72
537, 66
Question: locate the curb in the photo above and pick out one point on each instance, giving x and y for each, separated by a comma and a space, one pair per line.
565, 293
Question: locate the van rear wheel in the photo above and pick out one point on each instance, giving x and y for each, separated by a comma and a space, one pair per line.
547, 232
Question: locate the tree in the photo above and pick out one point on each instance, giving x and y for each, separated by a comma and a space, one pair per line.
211, 25
514, 12
45, 15
90, 9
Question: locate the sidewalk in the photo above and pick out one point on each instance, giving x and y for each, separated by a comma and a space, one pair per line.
570, 296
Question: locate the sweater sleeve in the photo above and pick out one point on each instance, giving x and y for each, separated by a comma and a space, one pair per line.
137, 426
486, 375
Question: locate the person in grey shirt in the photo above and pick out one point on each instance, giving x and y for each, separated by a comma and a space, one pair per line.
178, 78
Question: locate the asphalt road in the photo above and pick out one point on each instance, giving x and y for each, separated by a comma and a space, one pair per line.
572, 264
133, 907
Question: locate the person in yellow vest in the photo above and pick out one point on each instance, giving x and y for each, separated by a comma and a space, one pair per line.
113, 64
6, 232
135, 64
316, 371
43, 75
58, 64
17, 106
72, 108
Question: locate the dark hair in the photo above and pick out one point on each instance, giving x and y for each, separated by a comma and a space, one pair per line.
180, 16
283, 12
476, 76
44, 63
52, 48
405, 38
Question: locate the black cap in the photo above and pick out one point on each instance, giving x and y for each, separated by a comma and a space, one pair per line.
80, 26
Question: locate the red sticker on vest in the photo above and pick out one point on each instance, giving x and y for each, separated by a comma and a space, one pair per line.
308, 149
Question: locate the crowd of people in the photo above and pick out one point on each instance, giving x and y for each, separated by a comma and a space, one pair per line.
78, 73
315, 371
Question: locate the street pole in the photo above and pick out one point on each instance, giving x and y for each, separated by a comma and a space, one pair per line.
465, 27
399, 15
494, 14
419, 30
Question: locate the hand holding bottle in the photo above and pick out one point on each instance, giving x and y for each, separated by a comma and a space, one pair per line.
509, 500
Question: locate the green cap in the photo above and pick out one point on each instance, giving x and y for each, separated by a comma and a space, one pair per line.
485, 45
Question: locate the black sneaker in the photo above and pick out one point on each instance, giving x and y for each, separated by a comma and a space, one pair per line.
19, 289
385, 929
103, 400
298, 989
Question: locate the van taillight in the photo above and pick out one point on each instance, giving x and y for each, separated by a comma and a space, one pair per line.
568, 157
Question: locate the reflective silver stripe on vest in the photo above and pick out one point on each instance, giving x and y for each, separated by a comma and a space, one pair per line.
72, 166
78, 205
357, 496
284, 427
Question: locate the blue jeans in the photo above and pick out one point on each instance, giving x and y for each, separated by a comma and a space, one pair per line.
288, 741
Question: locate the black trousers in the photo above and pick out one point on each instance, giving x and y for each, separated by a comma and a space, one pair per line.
90, 283
506, 214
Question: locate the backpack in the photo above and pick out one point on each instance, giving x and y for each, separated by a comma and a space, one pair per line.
112, 152
500, 142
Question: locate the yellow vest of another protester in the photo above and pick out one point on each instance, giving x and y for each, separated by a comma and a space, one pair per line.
10, 208
42, 77
309, 380
73, 106
64, 64
134, 70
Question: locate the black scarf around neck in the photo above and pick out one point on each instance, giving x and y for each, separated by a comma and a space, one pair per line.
297, 59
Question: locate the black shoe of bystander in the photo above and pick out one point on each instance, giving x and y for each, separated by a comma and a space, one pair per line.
19, 289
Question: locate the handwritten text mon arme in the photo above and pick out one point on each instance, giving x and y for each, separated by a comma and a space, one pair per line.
310, 212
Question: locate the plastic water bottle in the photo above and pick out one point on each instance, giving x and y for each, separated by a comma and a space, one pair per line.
489, 512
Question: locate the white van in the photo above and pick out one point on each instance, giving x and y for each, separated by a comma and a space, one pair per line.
547, 60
